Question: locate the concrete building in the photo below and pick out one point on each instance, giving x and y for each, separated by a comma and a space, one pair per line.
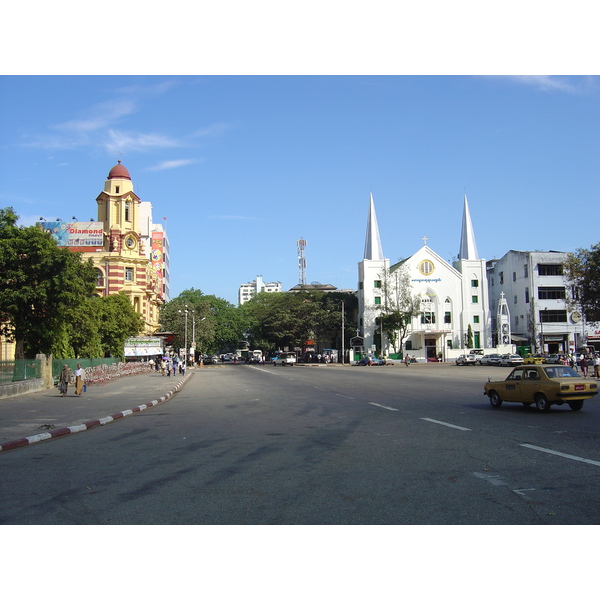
249, 290
534, 289
451, 299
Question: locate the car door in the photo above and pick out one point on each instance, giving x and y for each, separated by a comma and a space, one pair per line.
512, 386
530, 384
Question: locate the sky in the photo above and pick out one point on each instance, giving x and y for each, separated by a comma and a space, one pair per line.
244, 166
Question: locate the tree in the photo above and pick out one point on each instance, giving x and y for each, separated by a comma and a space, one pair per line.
399, 305
118, 321
582, 270
42, 286
216, 323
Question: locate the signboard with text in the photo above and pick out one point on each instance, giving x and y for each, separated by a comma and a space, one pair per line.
76, 233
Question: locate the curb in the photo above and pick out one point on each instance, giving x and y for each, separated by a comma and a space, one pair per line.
33, 439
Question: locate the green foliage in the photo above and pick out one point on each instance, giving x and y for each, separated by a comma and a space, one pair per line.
213, 323
118, 321
583, 271
289, 320
41, 288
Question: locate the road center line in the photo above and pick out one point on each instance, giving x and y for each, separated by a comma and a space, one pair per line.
382, 406
570, 456
445, 424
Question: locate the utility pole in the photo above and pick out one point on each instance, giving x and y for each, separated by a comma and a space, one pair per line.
343, 349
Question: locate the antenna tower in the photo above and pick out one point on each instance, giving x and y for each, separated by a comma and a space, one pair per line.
301, 262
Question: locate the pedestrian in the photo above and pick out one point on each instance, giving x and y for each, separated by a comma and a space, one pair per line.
63, 380
182, 368
583, 363
407, 360
79, 380
597, 366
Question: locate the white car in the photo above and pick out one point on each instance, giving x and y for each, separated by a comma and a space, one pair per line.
285, 358
490, 359
466, 359
511, 360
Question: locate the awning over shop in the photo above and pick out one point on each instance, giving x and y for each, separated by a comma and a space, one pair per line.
518, 338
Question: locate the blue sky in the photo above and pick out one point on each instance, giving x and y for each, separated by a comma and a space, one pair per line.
244, 166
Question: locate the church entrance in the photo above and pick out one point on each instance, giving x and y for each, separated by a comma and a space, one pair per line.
430, 349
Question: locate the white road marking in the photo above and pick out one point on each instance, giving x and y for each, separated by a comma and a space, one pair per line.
445, 424
570, 456
344, 396
382, 406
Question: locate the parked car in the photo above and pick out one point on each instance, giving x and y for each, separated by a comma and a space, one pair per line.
210, 360
285, 358
466, 359
534, 359
511, 360
490, 359
542, 385
371, 359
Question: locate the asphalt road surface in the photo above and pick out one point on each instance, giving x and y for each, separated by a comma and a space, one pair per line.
244, 444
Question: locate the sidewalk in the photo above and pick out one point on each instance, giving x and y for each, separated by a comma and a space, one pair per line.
42, 415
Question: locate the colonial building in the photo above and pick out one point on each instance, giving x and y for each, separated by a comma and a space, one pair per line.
124, 262
452, 304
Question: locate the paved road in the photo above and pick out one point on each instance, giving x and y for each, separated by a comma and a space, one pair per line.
318, 445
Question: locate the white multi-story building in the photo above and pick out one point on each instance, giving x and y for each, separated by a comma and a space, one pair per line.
535, 290
249, 290
453, 299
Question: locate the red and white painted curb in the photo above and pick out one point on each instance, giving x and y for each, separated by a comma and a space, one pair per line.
27, 441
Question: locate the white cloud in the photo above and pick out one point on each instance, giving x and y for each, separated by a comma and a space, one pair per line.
173, 164
137, 142
549, 83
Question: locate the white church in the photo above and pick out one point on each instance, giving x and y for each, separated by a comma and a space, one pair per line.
452, 304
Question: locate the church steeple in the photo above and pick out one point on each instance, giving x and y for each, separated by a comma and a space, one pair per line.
468, 247
373, 249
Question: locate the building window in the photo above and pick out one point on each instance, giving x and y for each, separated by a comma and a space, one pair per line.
426, 267
476, 319
514, 276
449, 344
127, 211
553, 316
516, 322
117, 188
408, 345
377, 283
427, 318
474, 283
474, 299
551, 293
501, 275
360, 285
99, 278
525, 271
377, 300
448, 317
526, 295
550, 269
515, 299
128, 273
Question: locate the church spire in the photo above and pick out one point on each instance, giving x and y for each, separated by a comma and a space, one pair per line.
373, 249
468, 247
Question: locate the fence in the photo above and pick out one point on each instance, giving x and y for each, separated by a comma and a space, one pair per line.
100, 370
19, 370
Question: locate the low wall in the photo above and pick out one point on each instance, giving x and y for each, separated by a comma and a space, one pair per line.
16, 388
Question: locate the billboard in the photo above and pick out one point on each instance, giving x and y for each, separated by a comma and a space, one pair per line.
157, 255
75, 233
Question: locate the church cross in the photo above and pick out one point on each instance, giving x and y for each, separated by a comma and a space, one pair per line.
425, 238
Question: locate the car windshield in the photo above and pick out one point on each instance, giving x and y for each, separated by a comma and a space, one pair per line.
559, 372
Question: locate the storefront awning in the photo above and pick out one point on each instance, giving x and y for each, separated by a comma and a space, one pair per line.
518, 338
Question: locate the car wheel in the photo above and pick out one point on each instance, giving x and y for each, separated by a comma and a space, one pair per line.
575, 404
542, 403
495, 400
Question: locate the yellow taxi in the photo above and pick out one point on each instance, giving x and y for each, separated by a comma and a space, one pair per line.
534, 359
542, 385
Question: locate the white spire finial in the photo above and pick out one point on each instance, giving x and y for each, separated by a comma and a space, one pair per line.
373, 249
468, 247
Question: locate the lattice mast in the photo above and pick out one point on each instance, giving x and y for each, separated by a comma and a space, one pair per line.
301, 262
